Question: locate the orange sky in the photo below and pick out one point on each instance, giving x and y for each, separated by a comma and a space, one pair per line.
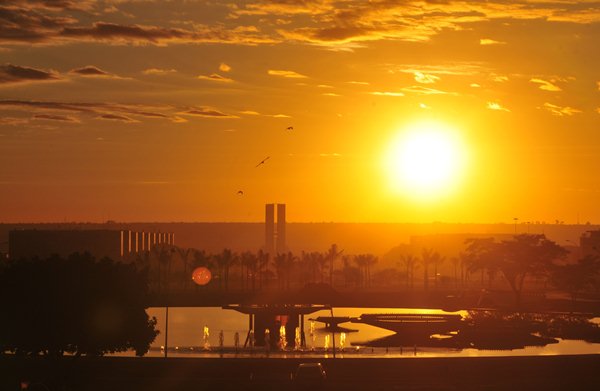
135, 110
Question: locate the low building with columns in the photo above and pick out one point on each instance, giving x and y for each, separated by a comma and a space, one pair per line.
114, 244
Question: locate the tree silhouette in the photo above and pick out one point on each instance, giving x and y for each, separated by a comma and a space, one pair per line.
579, 277
224, 261
525, 255
76, 305
409, 262
332, 255
428, 256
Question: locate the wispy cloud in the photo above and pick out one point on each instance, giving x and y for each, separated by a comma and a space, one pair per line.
560, 110
224, 67
425, 78
206, 112
488, 41
91, 70
496, 106
330, 94
386, 93
158, 71
10, 74
499, 78
13, 121
116, 117
215, 77
284, 73
111, 111
425, 91
54, 117
545, 85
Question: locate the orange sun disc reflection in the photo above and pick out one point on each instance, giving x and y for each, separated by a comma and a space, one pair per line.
201, 275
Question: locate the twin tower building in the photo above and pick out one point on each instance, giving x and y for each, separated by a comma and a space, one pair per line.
275, 229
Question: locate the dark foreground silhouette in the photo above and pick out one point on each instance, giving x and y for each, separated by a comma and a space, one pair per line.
490, 373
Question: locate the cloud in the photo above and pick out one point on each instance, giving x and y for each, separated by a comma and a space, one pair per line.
487, 42
324, 86
496, 106
54, 117
215, 77
13, 121
224, 67
560, 111
339, 25
249, 112
19, 74
206, 112
280, 116
288, 74
360, 83
425, 91
108, 111
546, 85
115, 117
158, 71
424, 78
474, 85
386, 93
499, 78
330, 94
91, 70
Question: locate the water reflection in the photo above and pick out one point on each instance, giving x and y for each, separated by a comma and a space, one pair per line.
478, 333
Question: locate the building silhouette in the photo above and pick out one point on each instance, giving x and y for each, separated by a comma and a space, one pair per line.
117, 245
275, 231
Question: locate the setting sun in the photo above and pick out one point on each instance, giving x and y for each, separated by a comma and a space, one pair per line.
426, 160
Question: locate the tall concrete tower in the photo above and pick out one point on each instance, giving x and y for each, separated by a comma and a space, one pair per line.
270, 228
275, 235
280, 234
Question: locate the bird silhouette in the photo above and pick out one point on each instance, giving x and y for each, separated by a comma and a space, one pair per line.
290, 128
240, 192
262, 161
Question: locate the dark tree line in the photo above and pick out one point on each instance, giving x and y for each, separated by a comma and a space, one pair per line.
75, 305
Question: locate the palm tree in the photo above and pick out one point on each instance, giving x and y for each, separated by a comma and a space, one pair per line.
263, 263
249, 260
351, 273
427, 256
361, 263
332, 255
183, 255
290, 261
364, 263
279, 262
224, 261
436, 260
409, 261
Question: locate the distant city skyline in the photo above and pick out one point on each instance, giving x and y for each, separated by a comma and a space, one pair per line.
345, 111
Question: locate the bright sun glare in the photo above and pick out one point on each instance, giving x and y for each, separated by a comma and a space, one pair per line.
426, 160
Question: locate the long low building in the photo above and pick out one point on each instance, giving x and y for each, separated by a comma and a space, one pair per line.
114, 244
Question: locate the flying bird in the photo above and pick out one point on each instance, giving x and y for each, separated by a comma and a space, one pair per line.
240, 192
262, 161
290, 128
